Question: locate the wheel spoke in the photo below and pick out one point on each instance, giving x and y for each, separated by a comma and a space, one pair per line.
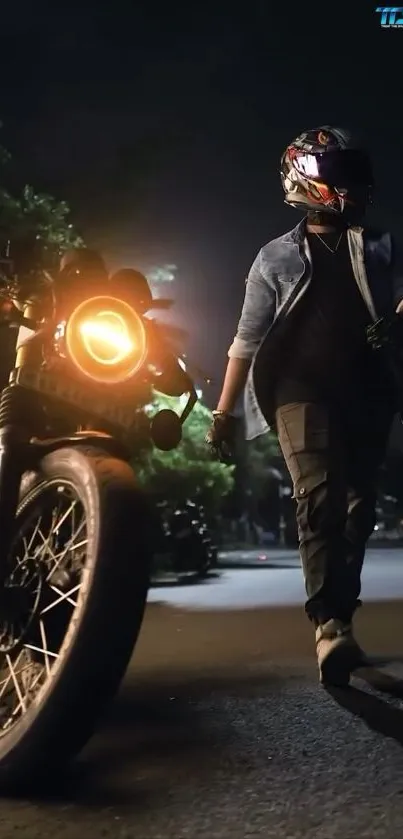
67, 549
61, 521
16, 683
32, 685
40, 650
45, 645
52, 544
5, 682
62, 596
32, 539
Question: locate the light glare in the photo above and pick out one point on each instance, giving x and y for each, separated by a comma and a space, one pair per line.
106, 339
109, 330
307, 165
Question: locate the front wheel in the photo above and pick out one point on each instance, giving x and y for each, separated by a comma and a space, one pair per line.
71, 607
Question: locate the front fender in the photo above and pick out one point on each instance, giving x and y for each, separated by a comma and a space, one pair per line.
37, 447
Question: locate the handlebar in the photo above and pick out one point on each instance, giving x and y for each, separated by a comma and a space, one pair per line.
189, 405
16, 319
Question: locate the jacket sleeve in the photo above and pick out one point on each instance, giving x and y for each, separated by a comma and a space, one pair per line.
257, 314
397, 272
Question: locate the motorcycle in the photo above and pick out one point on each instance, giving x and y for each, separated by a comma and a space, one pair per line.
209, 537
185, 545
72, 588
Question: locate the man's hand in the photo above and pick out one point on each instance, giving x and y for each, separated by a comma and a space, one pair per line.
379, 333
222, 434
387, 332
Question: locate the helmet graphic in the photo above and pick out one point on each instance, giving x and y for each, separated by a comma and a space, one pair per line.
324, 169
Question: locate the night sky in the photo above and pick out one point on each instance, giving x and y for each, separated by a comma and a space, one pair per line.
163, 127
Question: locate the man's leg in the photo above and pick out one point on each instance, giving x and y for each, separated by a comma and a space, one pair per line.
366, 445
316, 463
312, 445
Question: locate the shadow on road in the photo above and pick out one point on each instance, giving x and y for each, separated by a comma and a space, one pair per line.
258, 564
152, 736
378, 714
381, 681
207, 696
171, 581
157, 736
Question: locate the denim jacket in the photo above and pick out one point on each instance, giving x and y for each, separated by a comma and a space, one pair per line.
278, 280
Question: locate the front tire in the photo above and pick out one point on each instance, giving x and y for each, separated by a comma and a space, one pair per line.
102, 616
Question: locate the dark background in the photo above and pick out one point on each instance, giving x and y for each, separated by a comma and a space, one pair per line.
163, 127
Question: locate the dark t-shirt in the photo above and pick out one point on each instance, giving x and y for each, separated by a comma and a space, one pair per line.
327, 357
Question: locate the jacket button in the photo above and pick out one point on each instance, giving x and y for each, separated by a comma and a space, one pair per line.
302, 491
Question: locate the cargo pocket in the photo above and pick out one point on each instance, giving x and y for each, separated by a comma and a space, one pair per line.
311, 491
303, 434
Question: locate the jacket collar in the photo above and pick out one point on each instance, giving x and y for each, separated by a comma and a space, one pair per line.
297, 234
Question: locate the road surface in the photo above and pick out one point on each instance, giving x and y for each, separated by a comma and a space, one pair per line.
279, 580
222, 732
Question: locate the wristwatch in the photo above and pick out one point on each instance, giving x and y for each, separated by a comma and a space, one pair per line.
217, 414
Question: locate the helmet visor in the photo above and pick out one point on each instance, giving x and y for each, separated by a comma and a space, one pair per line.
342, 169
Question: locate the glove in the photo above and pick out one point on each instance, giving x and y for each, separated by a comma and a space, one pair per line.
386, 333
222, 434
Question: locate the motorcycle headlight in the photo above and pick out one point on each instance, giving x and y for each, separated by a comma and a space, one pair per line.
106, 339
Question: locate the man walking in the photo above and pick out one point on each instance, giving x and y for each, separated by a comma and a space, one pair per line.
301, 350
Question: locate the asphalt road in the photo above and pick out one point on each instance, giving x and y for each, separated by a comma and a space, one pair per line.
222, 732
238, 588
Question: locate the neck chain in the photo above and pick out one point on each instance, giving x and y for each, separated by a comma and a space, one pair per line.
332, 250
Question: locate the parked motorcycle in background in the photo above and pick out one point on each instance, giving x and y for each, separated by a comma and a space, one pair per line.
209, 532
185, 545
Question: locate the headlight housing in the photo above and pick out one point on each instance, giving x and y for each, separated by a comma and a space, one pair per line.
106, 340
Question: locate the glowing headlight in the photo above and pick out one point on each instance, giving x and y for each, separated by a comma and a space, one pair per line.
106, 339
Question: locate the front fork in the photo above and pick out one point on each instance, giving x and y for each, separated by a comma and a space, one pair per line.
14, 442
